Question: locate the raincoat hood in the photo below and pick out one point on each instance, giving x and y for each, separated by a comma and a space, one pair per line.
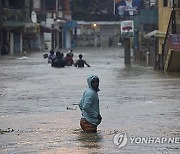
89, 80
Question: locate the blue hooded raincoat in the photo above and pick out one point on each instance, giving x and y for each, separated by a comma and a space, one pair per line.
89, 104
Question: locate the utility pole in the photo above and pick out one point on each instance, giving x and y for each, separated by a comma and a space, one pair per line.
173, 19
57, 9
127, 51
127, 46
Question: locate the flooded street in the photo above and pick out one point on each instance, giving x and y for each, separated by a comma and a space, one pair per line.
39, 102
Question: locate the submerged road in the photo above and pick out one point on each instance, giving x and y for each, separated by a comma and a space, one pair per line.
38, 111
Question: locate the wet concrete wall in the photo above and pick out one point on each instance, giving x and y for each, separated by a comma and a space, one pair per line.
174, 64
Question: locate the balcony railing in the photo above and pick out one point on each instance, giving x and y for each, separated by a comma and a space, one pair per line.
14, 14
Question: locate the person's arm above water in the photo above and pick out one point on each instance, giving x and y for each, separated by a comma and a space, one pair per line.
86, 63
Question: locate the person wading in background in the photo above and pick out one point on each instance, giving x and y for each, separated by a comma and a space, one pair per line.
81, 62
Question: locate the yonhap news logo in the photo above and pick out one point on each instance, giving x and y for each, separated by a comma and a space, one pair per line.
121, 140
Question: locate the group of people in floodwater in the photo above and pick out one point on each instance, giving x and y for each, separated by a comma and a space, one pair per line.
89, 103
59, 60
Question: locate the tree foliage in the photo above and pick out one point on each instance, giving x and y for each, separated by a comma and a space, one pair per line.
2, 18
96, 10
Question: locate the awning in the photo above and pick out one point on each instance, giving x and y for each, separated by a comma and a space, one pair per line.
160, 34
11, 25
31, 28
155, 33
31, 25
48, 29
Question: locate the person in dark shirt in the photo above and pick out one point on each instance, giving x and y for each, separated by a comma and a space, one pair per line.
68, 60
51, 56
81, 62
58, 61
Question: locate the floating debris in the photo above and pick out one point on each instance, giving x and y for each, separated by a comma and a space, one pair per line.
71, 108
75, 104
45, 55
6, 131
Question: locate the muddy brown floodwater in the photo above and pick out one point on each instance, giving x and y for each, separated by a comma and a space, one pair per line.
38, 105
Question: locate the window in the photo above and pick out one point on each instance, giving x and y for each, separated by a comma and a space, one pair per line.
16, 4
165, 3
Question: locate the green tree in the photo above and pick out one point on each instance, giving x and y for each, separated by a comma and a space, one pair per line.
96, 10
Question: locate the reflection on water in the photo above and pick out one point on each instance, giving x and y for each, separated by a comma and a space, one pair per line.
90, 140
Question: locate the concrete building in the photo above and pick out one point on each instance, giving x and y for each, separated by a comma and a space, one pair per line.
35, 25
159, 47
16, 18
169, 46
98, 33
145, 24
56, 27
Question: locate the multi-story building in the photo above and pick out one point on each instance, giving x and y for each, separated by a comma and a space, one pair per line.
98, 33
169, 45
145, 24
35, 25
159, 44
102, 33
56, 25
15, 15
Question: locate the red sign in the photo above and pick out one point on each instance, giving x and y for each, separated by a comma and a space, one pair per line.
174, 42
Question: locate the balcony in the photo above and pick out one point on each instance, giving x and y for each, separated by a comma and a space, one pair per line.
14, 14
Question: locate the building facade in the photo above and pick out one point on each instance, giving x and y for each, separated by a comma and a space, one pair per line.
15, 16
169, 46
35, 25
98, 33
145, 22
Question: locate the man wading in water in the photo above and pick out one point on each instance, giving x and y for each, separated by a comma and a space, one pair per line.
89, 105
